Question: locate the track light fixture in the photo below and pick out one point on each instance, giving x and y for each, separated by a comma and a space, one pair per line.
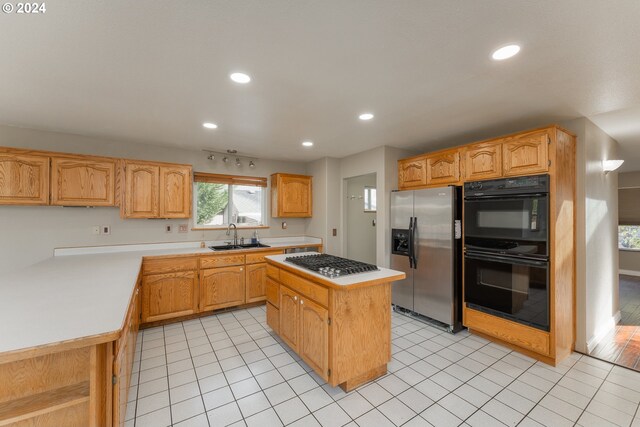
228, 155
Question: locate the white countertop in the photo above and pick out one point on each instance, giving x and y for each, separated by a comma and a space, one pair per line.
352, 279
82, 292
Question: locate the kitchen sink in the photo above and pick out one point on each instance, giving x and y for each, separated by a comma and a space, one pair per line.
232, 247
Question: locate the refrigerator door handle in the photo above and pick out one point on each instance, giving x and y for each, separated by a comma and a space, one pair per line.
410, 242
413, 242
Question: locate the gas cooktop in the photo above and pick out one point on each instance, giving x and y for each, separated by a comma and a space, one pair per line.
330, 266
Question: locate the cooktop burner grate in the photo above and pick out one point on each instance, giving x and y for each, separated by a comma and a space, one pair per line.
331, 266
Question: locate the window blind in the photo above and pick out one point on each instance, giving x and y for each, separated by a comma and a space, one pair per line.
629, 206
214, 178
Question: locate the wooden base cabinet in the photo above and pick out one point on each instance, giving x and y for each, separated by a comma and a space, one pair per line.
221, 287
169, 295
343, 334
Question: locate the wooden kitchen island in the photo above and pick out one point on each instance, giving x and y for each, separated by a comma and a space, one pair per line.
340, 327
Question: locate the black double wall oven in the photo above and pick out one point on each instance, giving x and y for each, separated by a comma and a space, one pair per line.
506, 229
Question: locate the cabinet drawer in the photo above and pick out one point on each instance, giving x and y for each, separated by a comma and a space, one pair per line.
511, 332
273, 272
221, 261
259, 257
168, 265
273, 292
273, 318
316, 292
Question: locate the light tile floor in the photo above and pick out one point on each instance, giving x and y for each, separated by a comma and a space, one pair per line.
228, 369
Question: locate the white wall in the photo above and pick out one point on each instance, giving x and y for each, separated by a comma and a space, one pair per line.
361, 233
596, 234
629, 261
29, 234
331, 214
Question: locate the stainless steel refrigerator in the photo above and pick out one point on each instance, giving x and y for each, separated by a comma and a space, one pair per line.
427, 246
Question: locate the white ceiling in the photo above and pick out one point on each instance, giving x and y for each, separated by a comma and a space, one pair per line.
154, 70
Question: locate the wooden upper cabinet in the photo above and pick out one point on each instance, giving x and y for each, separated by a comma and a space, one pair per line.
83, 181
169, 295
314, 336
412, 173
24, 179
142, 181
291, 196
483, 161
221, 287
526, 154
157, 190
443, 168
175, 191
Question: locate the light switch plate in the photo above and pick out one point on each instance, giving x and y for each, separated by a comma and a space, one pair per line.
168, 228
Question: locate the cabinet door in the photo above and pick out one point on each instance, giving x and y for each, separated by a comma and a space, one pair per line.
169, 295
289, 317
221, 287
175, 192
412, 173
293, 196
141, 190
483, 161
82, 182
443, 168
119, 390
526, 154
273, 318
314, 336
24, 179
256, 282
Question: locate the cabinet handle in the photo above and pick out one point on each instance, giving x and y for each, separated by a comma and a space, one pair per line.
295, 298
240, 268
301, 301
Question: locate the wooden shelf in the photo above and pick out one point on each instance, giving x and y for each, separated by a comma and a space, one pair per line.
28, 407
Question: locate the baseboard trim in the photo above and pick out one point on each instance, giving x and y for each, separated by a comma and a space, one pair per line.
630, 272
603, 331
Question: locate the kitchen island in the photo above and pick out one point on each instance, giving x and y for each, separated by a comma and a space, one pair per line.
341, 327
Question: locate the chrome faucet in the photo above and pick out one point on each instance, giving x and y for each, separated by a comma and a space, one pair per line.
235, 233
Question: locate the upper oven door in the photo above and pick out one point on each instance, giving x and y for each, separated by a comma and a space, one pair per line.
514, 225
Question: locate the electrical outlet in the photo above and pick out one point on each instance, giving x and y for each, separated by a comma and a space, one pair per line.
183, 228
95, 230
168, 228
284, 225
106, 229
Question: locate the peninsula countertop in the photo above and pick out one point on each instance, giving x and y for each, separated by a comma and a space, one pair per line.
84, 293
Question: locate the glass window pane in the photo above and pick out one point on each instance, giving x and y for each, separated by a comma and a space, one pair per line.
247, 204
629, 236
212, 202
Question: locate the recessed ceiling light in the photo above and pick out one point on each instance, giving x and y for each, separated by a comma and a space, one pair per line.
506, 52
209, 125
307, 144
240, 78
365, 116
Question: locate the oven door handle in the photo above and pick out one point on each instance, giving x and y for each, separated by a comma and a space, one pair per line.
507, 260
507, 196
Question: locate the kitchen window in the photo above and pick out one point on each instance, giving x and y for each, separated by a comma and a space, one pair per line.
629, 237
220, 200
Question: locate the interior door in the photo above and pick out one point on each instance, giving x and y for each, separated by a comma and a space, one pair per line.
401, 213
433, 277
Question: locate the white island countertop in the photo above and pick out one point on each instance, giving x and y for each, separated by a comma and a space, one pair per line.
382, 275
84, 293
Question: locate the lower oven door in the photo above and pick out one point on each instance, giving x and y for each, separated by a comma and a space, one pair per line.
513, 288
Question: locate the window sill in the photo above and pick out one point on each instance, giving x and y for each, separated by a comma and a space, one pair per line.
221, 227
629, 249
